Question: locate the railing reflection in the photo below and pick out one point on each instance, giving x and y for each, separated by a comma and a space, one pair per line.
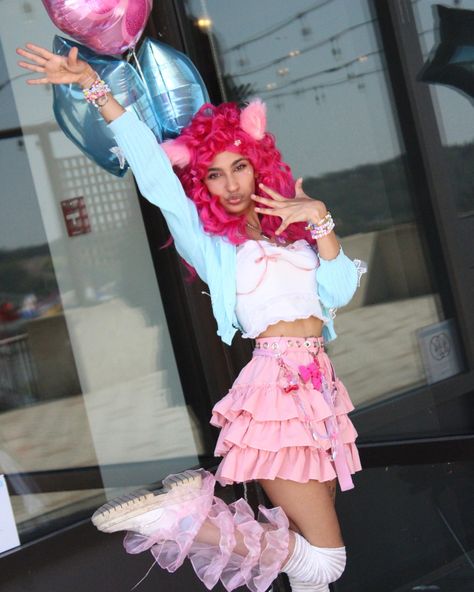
18, 385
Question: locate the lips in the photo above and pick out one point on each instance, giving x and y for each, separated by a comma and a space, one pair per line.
234, 200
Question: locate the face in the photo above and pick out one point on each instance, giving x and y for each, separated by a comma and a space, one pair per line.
231, 178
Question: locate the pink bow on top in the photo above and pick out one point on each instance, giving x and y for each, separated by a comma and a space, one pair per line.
312, 371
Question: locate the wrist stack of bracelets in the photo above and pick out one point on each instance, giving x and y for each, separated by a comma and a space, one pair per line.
98, 93
322, 228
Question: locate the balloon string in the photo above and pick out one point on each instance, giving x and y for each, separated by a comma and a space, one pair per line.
139, 68
144, 577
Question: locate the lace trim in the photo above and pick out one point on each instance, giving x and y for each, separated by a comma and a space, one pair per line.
307, 305
361, 267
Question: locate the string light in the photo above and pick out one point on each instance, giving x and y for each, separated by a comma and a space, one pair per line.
278, 26
307, 49
320, 87
204, 23
345, 66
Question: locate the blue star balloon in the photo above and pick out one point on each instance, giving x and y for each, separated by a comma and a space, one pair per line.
175, 86
452, 61
83, 124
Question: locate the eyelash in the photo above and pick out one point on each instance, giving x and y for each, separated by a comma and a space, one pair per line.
240, 167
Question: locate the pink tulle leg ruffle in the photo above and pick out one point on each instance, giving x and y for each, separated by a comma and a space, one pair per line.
266, 540
170, 543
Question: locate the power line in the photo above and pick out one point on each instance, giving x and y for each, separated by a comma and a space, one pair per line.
316, 45
277, 27
319, 87
331, 70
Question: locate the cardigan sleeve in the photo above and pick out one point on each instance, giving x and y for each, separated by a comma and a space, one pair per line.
158, 183
337, 280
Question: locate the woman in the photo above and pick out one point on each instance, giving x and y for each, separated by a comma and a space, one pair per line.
275, 271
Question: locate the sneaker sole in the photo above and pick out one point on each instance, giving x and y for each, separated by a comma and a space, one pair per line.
141, 501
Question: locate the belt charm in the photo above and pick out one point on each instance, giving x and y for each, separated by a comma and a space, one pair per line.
312, 371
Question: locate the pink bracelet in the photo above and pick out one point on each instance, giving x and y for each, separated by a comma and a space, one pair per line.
97, 93
322, 228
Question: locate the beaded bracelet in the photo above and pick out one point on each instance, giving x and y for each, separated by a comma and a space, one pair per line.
97, 93
322, 228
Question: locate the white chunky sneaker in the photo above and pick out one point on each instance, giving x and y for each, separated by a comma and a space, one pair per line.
145, 511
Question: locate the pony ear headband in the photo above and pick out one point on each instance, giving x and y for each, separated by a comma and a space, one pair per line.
253, 121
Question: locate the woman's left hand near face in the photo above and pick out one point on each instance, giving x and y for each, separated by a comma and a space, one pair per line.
301, 208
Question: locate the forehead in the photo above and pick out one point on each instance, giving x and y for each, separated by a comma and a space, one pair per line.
225, 159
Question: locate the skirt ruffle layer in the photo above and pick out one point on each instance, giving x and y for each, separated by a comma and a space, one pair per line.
268, 433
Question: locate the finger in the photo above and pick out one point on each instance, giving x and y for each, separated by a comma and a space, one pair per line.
264, 200
38, 81
31, 56
299, 186
31, 67
275, 195
267, 212
269, 201
284, 225
44, 53
72, 57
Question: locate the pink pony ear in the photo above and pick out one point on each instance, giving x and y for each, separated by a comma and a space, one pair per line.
177, 152
253, 119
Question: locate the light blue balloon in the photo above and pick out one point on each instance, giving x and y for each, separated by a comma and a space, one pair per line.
175, 86
82, 122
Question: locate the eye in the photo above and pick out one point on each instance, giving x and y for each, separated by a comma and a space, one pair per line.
212, 176
241, 166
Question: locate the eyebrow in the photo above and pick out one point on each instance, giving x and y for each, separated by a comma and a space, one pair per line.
233, 164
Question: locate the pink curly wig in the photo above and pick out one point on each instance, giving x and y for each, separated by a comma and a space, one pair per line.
227, 128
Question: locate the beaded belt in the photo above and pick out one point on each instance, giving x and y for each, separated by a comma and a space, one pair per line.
284, 343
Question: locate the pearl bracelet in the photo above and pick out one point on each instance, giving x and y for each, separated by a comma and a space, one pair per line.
322, 228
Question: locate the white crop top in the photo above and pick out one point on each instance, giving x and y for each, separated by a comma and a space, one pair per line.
275, 283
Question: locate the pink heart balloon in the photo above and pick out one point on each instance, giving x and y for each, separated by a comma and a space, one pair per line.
106, 26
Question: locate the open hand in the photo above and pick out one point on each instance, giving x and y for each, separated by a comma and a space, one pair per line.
301, 208
55, 69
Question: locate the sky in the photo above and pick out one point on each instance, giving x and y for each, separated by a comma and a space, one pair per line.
351, 125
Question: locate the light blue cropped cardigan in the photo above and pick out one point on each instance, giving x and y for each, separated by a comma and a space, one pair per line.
213, 257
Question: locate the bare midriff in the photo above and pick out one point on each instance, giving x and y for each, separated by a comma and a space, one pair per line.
310, 327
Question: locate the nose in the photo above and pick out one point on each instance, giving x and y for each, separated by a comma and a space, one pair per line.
231, 183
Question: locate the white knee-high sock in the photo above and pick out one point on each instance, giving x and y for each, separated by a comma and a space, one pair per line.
319, 565
297, 586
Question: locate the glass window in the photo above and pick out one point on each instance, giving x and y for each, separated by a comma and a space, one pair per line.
321, 70
87, 371
453, 107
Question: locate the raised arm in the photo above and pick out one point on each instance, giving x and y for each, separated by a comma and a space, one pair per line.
149, 163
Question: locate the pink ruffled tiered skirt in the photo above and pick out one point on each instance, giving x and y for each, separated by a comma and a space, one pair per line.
286, 416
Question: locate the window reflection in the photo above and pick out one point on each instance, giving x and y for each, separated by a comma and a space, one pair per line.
88, 375
453, 112
321, 71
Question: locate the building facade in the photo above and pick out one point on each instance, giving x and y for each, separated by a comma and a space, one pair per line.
109, 359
